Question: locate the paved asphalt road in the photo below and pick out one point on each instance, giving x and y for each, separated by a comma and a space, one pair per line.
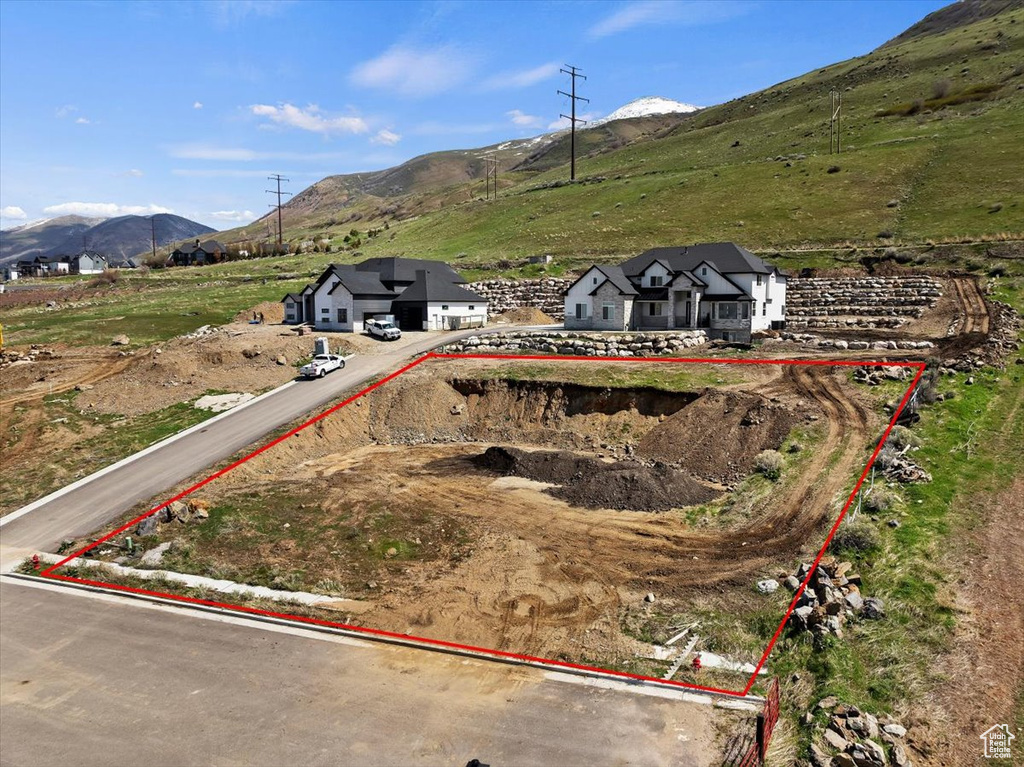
102, 680
90, 506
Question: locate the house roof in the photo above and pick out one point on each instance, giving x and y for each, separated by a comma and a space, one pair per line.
90, 254
436, 285
727, 257
612, 274
726, 297
652, 294
296, 297
404, 269
697, 281
359, 284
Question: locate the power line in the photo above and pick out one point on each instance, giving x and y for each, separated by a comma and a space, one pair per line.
278, 178
573, 73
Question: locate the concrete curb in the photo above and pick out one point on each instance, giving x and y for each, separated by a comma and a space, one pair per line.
750, 702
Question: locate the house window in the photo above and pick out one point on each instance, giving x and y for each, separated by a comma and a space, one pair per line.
595, 280
728, 311
444, 307
703, 271
581, 311
608, 312
471, 307
759, 279
657, 280
325, 310
745, 308
654, 310
343, 315
291, 315
764, 309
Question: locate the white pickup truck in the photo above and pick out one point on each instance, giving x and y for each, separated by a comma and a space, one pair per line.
383, 329
322, 364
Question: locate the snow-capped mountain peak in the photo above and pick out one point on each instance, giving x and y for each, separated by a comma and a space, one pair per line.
648, 105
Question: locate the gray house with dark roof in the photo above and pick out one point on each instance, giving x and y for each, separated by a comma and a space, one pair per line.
421, 294
720, 287
198, 254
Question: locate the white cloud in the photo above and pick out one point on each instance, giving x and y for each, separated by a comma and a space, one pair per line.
134, 173
14, 212
523, 78
233, 215
64, 111
82, 121
415, 72
197, 105
524, 120
647, 12
103, 209
309, 119
386, 137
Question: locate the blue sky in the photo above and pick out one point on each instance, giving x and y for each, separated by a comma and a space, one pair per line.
108, 108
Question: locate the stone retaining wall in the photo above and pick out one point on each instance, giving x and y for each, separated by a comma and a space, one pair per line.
544, 294
809, 339
866, 302
583, 344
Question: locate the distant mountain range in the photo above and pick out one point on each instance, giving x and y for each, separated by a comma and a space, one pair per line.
646, 106
116, 238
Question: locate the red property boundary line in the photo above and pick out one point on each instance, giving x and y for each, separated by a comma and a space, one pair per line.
441, 644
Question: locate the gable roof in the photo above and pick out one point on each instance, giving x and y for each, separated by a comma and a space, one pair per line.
394, 269
612, 274
432, 285
727, 258
357, 283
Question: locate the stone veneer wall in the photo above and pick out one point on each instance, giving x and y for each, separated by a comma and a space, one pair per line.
544, 294
858, 302
581, 344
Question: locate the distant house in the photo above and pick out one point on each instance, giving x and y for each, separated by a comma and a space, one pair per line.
43, 266
718, 286
11, 273
87, 262
198, 254
422, 295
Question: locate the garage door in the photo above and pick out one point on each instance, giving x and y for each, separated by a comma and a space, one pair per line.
410, 318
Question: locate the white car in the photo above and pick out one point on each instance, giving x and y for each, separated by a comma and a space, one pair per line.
383, 329
322, 364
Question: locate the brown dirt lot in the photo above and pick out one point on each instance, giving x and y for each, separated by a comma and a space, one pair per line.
383, 501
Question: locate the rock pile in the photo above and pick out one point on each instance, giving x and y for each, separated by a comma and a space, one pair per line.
35, 352
544, 294
857, 736
810, 339
832, 595
895, 465
584, 344
873, 376
177, 511
858, 302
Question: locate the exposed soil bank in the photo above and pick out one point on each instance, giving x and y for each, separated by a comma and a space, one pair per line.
597, 484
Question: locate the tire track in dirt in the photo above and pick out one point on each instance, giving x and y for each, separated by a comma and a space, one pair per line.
974, 312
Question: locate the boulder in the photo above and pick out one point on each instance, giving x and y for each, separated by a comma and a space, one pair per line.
836, 740
768, 586
148, 526
874, 608
120, 340
895, 729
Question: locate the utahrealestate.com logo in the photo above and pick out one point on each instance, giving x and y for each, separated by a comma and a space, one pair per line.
997, 741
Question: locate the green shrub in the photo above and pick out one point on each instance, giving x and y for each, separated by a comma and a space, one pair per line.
859, 536
769, 463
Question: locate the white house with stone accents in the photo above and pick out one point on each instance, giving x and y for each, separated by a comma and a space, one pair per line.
719, 287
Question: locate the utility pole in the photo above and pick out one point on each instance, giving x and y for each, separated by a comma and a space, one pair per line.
573, 73
835, 121
152, 232
277, 177
490, 174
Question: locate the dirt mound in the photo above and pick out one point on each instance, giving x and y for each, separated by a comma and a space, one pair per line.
718, 435
597, 484
526, 315
273, 312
